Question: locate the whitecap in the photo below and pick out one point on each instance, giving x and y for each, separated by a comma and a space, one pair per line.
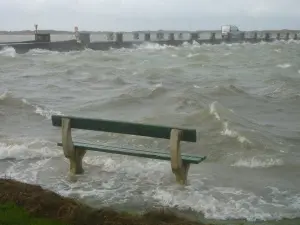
27, 149
4, 95
45, 112
256, 162
154, 46
190, 55
213, 110
284, 66
227, 53
8, 52
234, 134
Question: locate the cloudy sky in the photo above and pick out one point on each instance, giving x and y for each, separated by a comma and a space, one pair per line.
130, 15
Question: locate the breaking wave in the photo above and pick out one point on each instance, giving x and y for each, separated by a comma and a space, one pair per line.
259, 162
27, 149
226, 130
7, 99
8, 52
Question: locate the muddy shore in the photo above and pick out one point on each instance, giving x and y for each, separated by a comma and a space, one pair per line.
43, 203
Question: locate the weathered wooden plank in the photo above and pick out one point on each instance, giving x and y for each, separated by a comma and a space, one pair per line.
134, 152
147, 130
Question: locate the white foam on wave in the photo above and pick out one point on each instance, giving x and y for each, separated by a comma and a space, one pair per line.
226, 131
190, 55
284, 66
26, 149
295, 201
222, 203
38, 51
213, 110
45, 112
29, 173
112, 179
258, 162
193, 45
299, 71
234, 134
158, 85
277, 50
155, 46
292, 41
8, 52
227, 53
132, 166
3, 95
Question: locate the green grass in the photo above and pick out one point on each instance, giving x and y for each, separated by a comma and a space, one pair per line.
10, 214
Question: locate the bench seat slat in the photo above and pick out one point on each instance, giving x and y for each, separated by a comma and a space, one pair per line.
143, 149
134, 152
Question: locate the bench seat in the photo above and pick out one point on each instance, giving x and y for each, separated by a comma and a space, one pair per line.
98, 147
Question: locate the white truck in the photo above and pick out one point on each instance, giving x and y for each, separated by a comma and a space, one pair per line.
230, 32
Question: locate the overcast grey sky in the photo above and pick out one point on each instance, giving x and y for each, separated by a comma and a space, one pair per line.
129, 15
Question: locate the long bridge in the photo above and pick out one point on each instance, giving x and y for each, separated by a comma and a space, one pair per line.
108, 40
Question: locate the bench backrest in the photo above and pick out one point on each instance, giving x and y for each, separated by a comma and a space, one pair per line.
139, 129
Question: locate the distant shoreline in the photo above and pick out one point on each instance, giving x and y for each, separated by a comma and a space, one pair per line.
31, 32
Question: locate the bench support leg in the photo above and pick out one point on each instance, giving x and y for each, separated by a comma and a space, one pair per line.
75, 156
179, 168
182, 173
76, 161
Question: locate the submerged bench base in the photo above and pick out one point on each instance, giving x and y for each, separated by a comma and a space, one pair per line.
80, 149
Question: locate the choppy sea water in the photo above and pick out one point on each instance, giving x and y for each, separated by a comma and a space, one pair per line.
243, 99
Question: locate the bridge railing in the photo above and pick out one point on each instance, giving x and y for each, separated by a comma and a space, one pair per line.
178, 36
187, 36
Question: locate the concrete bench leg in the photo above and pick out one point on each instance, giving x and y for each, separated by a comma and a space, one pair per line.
179, 168
75, 156
76, 161
182, 173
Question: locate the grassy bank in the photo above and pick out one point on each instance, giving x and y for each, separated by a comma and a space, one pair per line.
26, 204
11, 214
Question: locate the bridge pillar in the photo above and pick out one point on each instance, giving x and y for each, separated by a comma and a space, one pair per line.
255, 36
194, 37
147, 37
295, 36
287, 36
278, 36
85, 38
119, 38
171, 37
243, 36
212, 37
267, 37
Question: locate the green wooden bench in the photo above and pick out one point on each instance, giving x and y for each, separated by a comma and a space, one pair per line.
75, 151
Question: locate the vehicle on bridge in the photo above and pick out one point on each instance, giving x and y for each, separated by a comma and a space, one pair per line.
231, 32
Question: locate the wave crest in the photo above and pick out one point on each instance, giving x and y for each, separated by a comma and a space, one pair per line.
7, 99
8, 52
27, 149
255, 162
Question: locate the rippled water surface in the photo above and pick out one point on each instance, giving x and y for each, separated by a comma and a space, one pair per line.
243, 99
